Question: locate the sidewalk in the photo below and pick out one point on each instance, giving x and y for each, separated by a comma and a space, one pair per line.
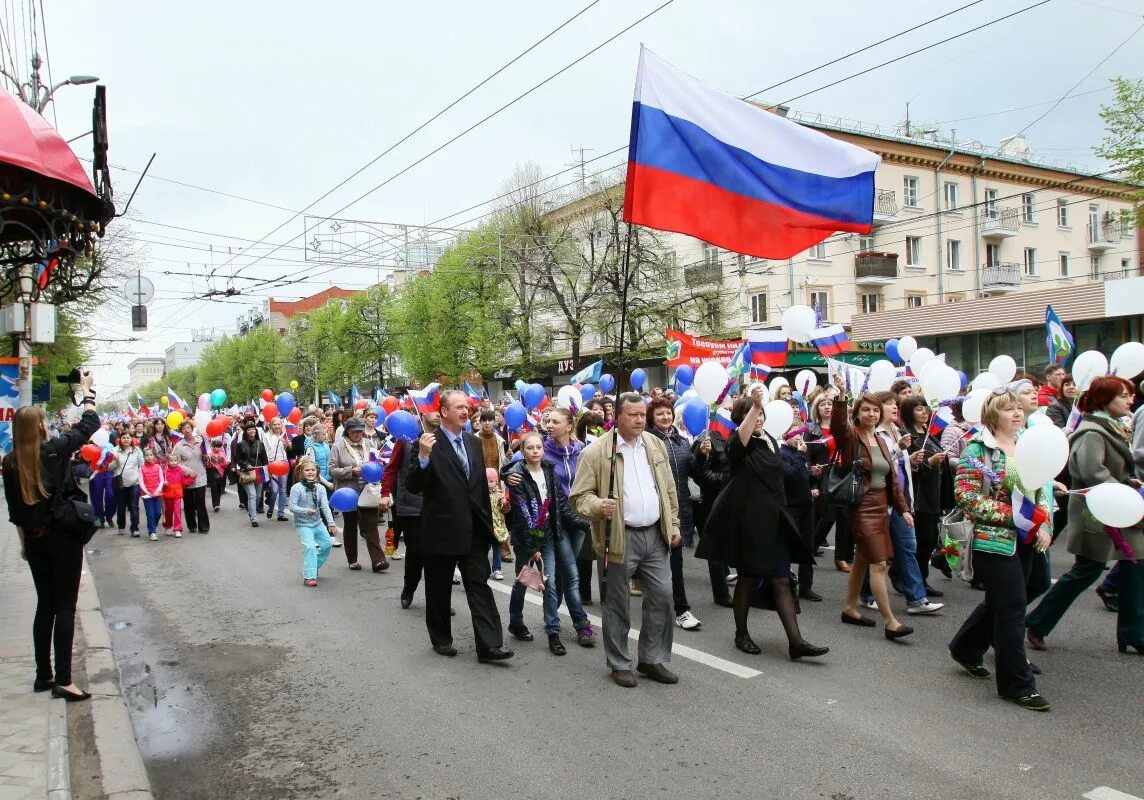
34, 746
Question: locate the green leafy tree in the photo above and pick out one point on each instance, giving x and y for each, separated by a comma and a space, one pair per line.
1123, 143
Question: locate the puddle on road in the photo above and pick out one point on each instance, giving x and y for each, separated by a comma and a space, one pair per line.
117, 624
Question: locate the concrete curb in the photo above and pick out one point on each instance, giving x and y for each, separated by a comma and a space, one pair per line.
59, 768
120, 762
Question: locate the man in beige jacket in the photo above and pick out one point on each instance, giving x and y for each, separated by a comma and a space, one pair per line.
638, 519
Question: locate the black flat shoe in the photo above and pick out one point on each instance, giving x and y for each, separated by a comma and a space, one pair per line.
974, 670
254, 523
809, 594
42, 686
555, 645
861, 621
1138, 647
1033, 668
901, 632
445, 650
406, 600
932, 592
1033, 702
805, 649
521, 632
71, 697
1111, 600
496, 654
743, 642
725, 602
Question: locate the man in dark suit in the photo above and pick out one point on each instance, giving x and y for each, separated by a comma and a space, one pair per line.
456, 529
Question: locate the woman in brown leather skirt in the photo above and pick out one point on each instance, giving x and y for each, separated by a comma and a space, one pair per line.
870, 519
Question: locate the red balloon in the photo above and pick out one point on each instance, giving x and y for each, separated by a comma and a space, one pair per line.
390, 404
295, 415
218, 426
360, 404
268, 395
269, 411
90, 452
278, 468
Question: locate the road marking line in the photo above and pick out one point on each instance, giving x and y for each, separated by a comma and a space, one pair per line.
683, 651
1105, 793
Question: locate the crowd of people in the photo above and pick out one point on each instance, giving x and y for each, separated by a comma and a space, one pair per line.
612, 495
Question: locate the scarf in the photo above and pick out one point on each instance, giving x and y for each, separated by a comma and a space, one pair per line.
311, 488
490, 448
1116, 425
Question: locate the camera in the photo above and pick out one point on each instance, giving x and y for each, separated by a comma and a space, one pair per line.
71, 377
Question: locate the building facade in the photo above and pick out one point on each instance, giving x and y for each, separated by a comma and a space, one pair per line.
142, 371
187, 354
279, 312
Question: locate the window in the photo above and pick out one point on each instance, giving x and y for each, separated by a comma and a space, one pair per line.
870, 303
817, 252
913, 251
670, 259
951, 196
1063, 213
710, 254
1064, 261
991, 204
953, 255
915, 299
1027, 208
865, 244
992, 255
1125, 267
759, 308
1094, 267
955, 297
910, 191
1094, 223
1030, 261
821, 299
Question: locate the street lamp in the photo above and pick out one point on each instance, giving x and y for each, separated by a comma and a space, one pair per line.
34, 93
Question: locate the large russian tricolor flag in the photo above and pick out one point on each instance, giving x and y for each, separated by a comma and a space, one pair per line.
830, 340
709, 165
768, 348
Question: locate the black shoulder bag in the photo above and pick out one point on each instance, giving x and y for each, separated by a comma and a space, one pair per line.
72, 514
844, 487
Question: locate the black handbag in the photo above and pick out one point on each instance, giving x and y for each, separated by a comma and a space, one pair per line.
843, 486
72, 514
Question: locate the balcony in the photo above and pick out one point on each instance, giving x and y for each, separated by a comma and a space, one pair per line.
1000, 223
875, 269
885, 206
1103, 237
1001, 278
703, 274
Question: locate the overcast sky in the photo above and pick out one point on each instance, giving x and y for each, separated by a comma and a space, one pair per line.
279, 101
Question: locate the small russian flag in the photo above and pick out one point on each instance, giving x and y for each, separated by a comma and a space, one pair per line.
1074, 419
427, 399
938, 422
471, 392
830, 340
174, 401
721, 421
1027, 515
104, 459
261, 476
768, 348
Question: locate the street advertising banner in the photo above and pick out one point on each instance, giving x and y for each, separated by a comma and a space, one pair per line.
683, 348
9, 400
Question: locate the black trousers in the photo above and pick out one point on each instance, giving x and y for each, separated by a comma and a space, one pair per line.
999, 621
195, 510
925, 530
410, 528
475, 571
804, 519
216, 483
717, 571
56, 561
678, 591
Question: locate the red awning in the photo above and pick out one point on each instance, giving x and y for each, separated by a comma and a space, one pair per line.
29, 142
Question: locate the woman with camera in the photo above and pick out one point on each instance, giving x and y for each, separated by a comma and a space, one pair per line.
37, 473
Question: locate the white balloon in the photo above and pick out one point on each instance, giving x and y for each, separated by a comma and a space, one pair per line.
882, 375
986, 380
766, 392
569, 396
806, 380
907, 346
1004, 367
919, 359
710, 381
971, 406
798, 323
933, 365
1041, 454
1037, 418
1089, 365
1115, 504
201, 419
1127, 360
778, 416
941, 384
101, 437
776, 383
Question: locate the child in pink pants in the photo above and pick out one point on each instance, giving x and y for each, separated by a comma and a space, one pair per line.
173, 497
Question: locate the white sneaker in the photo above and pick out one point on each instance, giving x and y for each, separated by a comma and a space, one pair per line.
498, 575
153, 537
926, 608
688, 621
335, 542
178, 534
869, 604
732, 577
395, 556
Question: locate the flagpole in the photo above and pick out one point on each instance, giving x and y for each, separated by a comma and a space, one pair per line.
624, 295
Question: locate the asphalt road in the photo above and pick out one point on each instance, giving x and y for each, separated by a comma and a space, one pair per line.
243, 683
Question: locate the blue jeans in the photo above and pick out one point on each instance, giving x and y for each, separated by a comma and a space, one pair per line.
496, 556
127, 500
278, 492
556, 556
316, 546
253, 492
906, 571
154, 508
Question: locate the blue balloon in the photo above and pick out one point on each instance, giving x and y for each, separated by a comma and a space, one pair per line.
517, 456
607, 382
371, 472
381, 415
344, 500
685, 375
403, 425
285, 403
639, 378
587, 392
514, 417
533, 395
964, 379
892, 351
695, 416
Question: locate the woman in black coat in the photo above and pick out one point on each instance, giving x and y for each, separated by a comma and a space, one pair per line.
927, 460
749, 529
35, 472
